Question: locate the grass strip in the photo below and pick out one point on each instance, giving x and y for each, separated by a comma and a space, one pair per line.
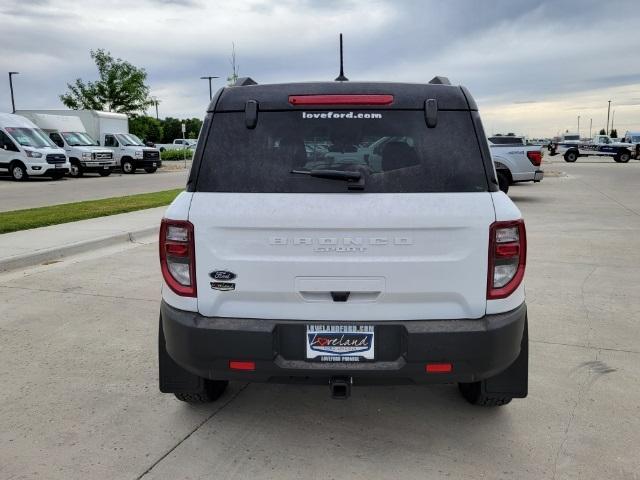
16, 220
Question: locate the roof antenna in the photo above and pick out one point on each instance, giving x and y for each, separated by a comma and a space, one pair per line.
341, 77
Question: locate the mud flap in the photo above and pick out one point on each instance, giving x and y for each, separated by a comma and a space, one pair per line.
172, 377
515, 379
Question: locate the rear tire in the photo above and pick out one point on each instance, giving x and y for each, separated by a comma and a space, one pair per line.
151, 169
570, 157
104, 173
18, 172
128, 166
503, 181
516, 376
472, 393
213, 390
623, 158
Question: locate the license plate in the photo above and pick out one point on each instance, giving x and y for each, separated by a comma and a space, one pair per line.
340, 343
154, 164
57, 166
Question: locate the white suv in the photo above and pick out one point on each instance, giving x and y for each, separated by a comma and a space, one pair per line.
301, 252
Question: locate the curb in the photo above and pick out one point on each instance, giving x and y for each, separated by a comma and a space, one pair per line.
56, 253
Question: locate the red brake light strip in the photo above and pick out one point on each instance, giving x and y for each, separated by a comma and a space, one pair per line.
340, 99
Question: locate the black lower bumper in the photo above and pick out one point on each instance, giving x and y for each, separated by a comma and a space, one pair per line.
55, 171
477, 349
97, 168
146, 163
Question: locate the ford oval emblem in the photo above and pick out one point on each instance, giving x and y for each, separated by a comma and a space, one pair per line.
222, 275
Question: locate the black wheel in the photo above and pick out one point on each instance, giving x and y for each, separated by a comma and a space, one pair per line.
104, 173
623, 157
213, 390
128, 166
571, 156
472, 392
151, 169
503, 181
76, 170
18, 172
57, 175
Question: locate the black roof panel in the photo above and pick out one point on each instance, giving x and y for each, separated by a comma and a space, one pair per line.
406, 95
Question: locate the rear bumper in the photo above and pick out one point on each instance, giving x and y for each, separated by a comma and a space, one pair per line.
529, 176
477, 349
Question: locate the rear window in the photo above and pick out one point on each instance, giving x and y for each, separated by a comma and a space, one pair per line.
507, 140
394, 151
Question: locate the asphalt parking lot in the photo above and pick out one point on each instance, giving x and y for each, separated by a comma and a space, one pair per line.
78, 369
39, 192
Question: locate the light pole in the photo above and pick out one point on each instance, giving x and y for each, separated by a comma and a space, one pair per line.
578, 126
613, 116
209, 78
155, 102
13, 103
608, 110
590, 125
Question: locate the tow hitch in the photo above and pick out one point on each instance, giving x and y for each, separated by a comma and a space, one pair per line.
340, 387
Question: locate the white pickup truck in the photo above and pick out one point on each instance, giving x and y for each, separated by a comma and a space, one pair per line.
178, 143
516, 162
600, 145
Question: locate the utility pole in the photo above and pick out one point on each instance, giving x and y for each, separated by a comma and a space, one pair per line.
210, 91
13, 103
155, 102
578, 126
590, 125
608, 110
613, 116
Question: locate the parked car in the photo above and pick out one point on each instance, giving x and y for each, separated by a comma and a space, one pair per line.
111, 129
600, 146
178, 143
25, 150
278, 268
516, 163
68, 133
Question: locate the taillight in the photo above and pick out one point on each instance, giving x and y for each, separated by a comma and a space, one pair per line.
178, 256
535, 157
507, 258
340, 99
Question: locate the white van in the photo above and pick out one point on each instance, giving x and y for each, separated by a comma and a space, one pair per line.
112, 132
70, 134
25, 150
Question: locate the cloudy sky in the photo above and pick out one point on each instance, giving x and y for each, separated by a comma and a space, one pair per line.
533, 66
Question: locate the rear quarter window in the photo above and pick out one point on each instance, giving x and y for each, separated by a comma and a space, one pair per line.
394, 151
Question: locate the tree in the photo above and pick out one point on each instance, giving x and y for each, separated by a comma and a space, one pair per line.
172, 128
193, 126
602, 132
614, 133
147, 128
121, 87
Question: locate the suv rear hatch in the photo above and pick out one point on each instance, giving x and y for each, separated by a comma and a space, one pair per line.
404, 237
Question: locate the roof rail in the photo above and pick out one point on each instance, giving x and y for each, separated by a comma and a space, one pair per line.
438, 80
244, 81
